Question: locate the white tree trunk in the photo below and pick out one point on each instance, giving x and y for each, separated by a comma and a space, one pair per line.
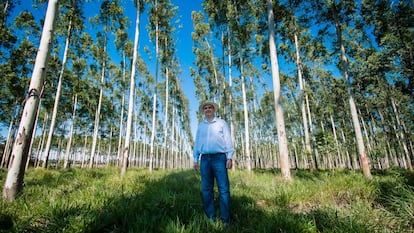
14, 180
6, 152
308, 149
29, 153
246, 121
352, 105
69, 144
154, 106
98, 113
233, 135
57, 97
131, 98
401, 136
163, 157
121, 118
280, 121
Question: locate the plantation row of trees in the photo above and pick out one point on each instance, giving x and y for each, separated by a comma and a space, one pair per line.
347, 80
341, 94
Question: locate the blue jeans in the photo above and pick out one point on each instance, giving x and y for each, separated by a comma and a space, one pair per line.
214, 168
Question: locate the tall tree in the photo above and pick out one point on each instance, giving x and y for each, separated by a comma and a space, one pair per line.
339, 15
110, 16
71, 17
139, 4
14, 180
280, 121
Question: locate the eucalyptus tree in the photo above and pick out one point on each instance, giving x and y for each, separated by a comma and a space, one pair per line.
78, 66
81, 94
139, 4
14, 180
160, 14
72, 19
338, 15
280, 121
110, 17
123, 44
170, 67
243, 29
144, 107
295, 30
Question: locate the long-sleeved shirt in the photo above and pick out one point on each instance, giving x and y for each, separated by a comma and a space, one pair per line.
213, 137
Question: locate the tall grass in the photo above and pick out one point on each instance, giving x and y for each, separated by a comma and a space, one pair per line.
99, 200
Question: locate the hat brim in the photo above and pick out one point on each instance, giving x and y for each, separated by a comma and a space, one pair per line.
208, 103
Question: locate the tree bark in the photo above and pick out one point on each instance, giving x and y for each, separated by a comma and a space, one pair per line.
280, 121
352, 105
69, 144
98, 112
126, 149
14, 180
57, 97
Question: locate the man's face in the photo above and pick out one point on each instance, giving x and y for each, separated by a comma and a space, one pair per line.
209, 110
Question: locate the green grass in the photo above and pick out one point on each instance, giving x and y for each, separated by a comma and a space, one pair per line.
99, 200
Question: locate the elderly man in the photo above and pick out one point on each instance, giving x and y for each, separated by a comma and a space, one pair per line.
214, 148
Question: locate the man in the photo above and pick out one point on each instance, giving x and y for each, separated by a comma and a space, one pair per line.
214, 148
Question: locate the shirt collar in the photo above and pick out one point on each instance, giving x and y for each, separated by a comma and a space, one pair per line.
214, 120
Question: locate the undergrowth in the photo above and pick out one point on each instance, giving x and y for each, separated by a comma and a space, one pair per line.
99, 200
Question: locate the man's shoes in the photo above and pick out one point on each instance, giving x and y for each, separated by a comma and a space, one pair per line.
212, 219
226, 223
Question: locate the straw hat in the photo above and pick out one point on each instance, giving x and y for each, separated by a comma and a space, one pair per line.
208, 103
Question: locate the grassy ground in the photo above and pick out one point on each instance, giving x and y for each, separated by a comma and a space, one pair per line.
99, 200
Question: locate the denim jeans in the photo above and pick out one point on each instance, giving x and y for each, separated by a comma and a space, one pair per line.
214, 168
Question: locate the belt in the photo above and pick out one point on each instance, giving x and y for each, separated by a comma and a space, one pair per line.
210, 155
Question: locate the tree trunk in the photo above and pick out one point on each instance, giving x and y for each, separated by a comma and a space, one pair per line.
6, 152
126, 149
57, 97
233, 136
14, 180
69, 144
29, 153
41, 142
339, 162
121, 118
308, 149
352, 105
98, 113
163, 157
247, 154
154, 105
280, 121
401, 134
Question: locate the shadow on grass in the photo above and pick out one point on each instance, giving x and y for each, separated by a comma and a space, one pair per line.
173, 204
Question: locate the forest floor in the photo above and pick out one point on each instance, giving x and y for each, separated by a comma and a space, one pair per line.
99, 200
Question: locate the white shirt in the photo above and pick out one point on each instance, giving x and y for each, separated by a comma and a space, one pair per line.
213, 137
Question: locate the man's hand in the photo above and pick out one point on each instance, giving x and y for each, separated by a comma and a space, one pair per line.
195, 166
229, 163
